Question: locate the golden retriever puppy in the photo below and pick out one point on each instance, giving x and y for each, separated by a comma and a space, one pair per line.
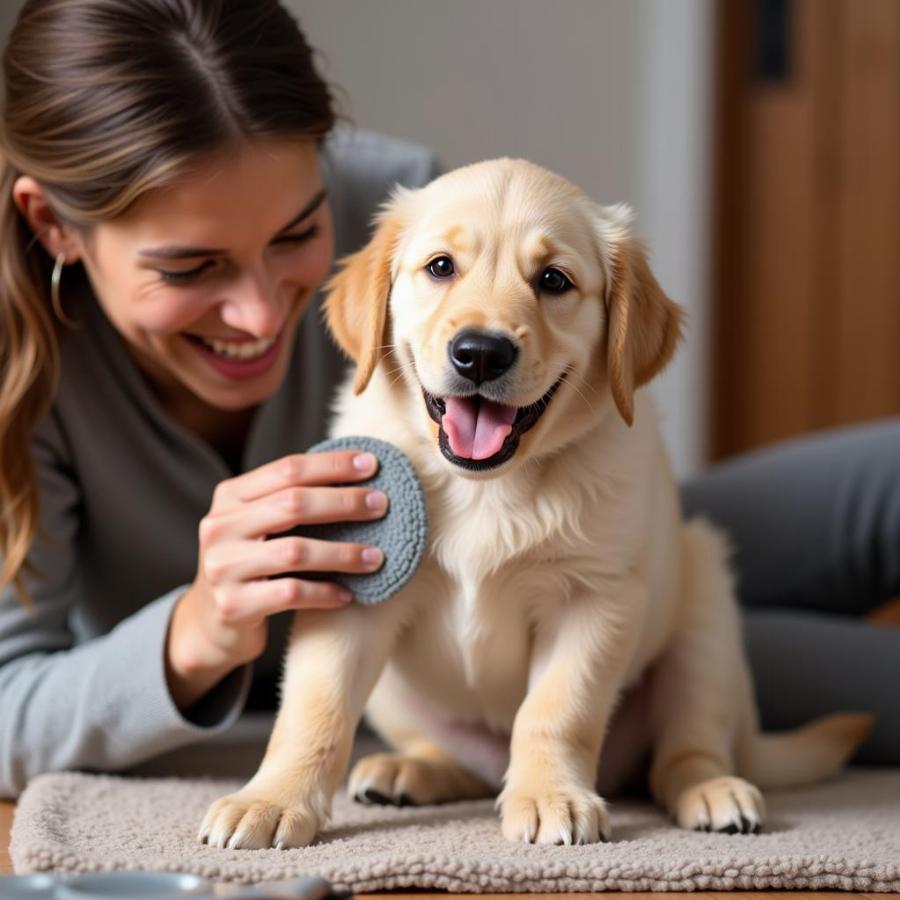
567, 632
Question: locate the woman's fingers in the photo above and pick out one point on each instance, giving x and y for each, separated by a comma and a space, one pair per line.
255, 600
243, 574
283, 555
296, 470
290, 507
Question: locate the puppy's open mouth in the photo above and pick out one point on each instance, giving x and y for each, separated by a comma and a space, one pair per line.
477, 433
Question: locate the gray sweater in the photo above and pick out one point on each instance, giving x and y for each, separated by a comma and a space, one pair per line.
122, 490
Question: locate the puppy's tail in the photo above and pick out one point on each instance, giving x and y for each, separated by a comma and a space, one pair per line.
812, 752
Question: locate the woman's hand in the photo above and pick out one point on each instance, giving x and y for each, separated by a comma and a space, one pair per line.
219, 623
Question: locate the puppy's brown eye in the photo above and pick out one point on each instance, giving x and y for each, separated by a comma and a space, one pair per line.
554, 282
442, 267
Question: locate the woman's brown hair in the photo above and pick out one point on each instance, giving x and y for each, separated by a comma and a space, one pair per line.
105, 100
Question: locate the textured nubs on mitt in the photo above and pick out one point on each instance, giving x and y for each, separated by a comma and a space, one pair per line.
401, 533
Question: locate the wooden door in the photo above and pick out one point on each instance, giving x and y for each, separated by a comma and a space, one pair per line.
807, 222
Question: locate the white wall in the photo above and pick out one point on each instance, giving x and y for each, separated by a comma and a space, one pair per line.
614, 94
673, 193
556, 82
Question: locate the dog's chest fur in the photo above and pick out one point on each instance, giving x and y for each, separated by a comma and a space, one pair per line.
502, 557
467, 654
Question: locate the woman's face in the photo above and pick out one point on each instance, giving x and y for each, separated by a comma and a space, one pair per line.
207, 278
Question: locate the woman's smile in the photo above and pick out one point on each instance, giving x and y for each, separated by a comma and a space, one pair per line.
238, 359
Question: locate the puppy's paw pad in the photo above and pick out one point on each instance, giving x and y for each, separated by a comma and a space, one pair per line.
554, 815
726, 804
250, 822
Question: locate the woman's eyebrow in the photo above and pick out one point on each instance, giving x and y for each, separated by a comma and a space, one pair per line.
172, 251
307, 210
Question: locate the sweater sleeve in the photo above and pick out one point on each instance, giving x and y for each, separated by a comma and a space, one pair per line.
102, 704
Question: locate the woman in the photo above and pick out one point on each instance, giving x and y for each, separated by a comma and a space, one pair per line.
169, 175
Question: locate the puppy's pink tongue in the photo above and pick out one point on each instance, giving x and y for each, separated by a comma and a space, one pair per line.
476, 428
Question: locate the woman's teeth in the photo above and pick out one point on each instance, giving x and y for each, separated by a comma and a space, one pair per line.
233, 350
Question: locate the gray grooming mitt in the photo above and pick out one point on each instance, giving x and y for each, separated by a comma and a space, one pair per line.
401, 533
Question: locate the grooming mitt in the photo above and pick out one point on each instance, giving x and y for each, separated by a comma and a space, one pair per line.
401, 533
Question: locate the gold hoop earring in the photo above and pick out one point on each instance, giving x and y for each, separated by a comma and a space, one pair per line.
54, 292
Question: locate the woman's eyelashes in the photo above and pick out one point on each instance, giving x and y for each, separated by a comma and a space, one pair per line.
190, 275
301, 238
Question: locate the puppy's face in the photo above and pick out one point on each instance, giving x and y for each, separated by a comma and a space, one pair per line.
514, 309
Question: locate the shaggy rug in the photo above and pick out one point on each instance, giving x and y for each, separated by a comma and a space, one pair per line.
841, 835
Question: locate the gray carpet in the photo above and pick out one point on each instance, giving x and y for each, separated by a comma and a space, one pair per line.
843, 835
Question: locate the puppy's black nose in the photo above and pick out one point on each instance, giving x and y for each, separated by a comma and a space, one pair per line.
481, 357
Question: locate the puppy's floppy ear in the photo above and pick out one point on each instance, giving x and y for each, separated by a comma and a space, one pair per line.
357, 301
644, 325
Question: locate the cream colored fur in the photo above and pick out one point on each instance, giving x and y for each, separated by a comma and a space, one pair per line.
566, 628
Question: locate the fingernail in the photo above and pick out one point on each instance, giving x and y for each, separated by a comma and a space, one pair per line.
372, 556
364, 462
376, 501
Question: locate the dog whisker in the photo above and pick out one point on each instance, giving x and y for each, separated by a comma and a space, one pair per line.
402, 364
401, 368
570, 370
582, 379
586, 400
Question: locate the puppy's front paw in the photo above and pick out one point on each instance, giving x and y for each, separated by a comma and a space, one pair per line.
554, 814
250, 820
728, 804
